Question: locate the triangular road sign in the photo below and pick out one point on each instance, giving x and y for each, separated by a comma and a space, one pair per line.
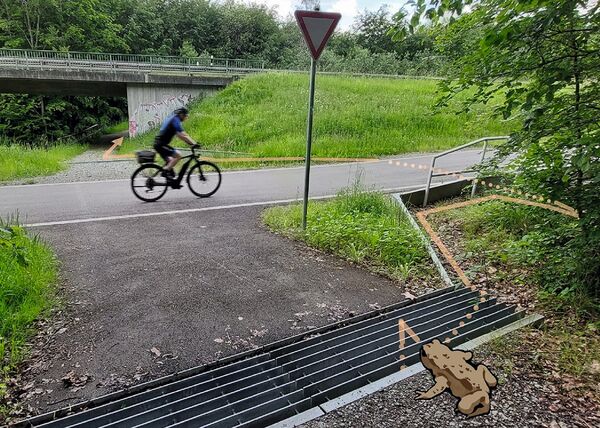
317, 28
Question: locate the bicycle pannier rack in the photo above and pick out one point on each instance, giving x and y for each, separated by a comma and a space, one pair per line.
145, 156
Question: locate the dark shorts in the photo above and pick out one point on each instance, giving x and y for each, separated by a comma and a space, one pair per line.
165, 151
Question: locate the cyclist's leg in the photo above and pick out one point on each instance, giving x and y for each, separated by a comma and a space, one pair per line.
174, 157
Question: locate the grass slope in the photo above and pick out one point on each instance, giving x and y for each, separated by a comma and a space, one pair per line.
354, 117
17, 162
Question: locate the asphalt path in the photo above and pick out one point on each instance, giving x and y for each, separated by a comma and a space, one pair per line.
147, 298
66, 203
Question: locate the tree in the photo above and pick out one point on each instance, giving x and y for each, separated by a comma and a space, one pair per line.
309, 4
24, 22
372, 30
187, 50
541, 59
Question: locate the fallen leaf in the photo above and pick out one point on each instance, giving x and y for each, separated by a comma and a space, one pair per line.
71, 379
409, 295
156, 352
219, 340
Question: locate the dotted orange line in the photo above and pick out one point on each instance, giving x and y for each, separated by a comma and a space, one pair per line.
454, 332
422, 217
549, 204
108, 156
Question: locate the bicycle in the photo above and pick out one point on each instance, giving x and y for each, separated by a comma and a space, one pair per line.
149, 183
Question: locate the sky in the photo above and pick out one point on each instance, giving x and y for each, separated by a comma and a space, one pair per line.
348, 8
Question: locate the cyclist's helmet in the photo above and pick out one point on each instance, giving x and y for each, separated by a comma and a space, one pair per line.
182, 110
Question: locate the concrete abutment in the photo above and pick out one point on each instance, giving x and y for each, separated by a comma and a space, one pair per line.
148, 105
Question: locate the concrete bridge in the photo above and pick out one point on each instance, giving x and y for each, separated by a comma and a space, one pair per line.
154, 86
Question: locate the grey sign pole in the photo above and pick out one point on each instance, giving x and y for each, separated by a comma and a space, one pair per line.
309, 130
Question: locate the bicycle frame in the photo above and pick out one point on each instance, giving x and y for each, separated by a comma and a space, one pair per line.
184, 168
190, 158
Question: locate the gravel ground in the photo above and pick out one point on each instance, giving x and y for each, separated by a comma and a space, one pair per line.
518, 401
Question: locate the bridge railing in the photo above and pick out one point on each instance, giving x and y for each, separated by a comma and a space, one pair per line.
49, 60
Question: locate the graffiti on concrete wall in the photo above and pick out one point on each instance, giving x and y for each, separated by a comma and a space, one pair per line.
150, 115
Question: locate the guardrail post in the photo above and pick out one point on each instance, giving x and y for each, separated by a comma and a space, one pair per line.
226, 66
482, 159
430, 176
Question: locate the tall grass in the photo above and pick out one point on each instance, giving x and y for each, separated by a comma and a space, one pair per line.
544, 243
19, 162
354, 117
28, 270
360, 226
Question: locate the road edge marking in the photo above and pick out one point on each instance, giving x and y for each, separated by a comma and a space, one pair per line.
188, 210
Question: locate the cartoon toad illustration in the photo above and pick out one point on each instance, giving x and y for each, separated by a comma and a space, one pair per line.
452, 370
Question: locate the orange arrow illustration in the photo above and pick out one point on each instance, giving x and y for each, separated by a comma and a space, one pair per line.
404, 328
108, 154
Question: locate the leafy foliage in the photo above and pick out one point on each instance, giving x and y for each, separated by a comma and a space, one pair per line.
543, 58
545, 242
190, 28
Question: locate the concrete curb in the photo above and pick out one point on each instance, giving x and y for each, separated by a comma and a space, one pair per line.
425, 239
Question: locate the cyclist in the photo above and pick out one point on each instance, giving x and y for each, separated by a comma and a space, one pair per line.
172, 126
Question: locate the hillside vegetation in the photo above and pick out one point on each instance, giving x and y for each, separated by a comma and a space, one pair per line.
354, 117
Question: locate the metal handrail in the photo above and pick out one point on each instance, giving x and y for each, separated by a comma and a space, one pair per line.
456, 149
23, 58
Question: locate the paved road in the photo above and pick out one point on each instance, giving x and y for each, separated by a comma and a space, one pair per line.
90, 201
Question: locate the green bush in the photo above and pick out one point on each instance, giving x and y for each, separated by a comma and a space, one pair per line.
360, 226
548, 244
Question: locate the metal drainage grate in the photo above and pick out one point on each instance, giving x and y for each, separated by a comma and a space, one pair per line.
295, 375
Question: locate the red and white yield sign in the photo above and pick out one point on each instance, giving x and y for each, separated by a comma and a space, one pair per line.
317, 28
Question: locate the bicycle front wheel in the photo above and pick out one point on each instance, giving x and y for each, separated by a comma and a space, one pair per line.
148, 184
204, 179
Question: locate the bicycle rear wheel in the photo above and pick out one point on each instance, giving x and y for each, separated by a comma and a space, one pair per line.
204, 179
148, 184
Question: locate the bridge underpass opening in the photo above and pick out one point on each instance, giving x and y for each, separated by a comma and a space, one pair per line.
154, 86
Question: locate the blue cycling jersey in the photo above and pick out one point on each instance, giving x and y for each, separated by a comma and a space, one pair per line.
171, 126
